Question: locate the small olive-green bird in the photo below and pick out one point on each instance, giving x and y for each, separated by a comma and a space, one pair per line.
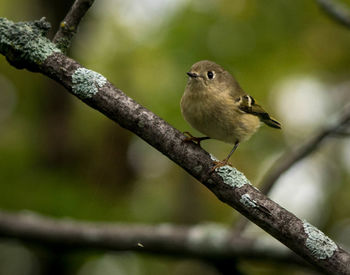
214, 104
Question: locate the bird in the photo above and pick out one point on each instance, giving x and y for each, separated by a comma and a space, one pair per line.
215, 104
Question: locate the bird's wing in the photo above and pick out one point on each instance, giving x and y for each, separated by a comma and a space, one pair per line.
247, 104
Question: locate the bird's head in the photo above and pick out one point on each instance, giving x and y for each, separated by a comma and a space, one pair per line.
208, 76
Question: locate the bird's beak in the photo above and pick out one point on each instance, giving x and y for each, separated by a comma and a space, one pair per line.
192, 75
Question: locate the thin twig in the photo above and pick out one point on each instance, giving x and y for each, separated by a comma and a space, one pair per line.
290, 158
23, 42
336, 11
69, 25
170, 240
342, 133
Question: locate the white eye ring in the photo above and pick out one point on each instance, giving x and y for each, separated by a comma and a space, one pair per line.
211, 74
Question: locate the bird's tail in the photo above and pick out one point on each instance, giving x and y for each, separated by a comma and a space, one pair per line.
272, 123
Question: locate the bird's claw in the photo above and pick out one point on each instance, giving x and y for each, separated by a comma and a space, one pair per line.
219, 164
196, 140
189, 137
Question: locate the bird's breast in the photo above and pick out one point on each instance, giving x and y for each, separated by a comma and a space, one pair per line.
217, 116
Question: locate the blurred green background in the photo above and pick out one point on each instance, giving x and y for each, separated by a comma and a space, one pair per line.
60, 158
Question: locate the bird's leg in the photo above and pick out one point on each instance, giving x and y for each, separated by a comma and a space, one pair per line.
196, 140
225, 161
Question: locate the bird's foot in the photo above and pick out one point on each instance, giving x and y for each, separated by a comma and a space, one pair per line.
219, 164
196, 140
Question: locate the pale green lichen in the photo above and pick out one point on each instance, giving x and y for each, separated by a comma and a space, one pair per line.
248, 201
198, 169
86, 82
320, 245
208, 237
232, 177
26, 41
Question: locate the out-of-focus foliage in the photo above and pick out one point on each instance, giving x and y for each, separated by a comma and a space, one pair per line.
61, 158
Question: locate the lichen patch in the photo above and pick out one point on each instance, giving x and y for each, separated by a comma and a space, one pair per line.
86, 82
26, 41
320, 245
232, 177
247, 201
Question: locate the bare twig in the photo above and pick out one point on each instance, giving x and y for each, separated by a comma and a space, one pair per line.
292, 157
336, 11
342, 133
24, 45
206, 241
69, 25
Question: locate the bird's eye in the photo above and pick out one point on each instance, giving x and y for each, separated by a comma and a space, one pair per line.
210, 74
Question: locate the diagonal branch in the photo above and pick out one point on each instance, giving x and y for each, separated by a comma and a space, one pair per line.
69, 25
336, 11
206, 241
24, 45
287, 160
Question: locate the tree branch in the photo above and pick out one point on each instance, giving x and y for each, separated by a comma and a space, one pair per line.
24, 46
337, 12
290, 158
208, 241
69, 25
